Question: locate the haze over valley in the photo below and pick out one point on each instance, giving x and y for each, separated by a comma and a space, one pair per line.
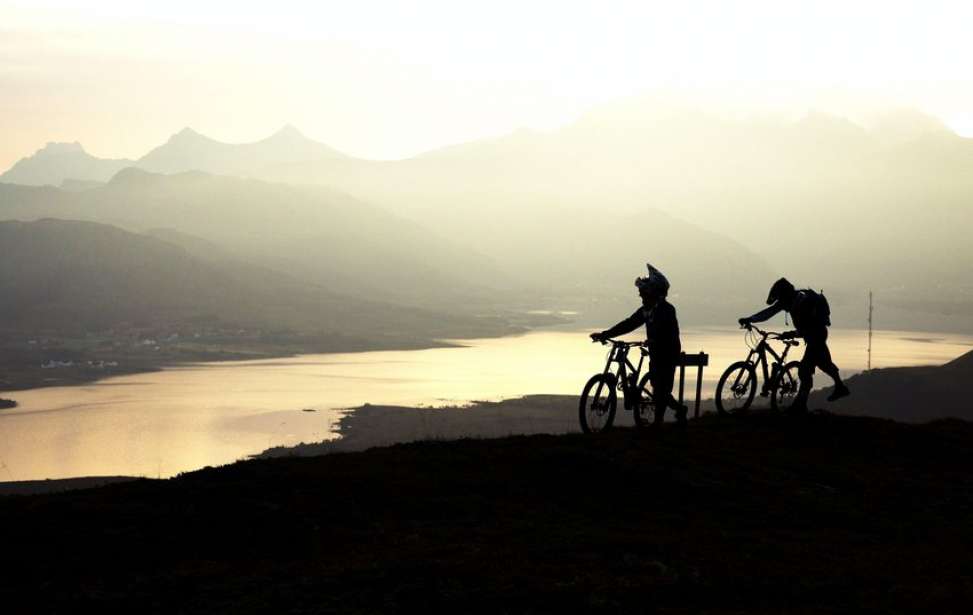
542, 220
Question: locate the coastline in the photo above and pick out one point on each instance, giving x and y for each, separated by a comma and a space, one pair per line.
94, 359
26, 377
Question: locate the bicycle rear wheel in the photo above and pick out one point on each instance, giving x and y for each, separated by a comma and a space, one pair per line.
736, 389
785, 386
596, 412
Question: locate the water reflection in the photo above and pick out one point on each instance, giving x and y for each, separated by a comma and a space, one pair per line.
163, 423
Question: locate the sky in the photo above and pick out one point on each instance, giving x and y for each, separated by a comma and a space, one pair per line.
382, 79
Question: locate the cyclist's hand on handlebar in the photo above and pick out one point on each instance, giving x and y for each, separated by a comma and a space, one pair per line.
787, 335
745, 323
597, 337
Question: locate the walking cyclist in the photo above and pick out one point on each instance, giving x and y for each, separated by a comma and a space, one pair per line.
812, 317
662, 339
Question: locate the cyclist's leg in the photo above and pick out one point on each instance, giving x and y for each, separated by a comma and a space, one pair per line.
826, 363
806, 372
662, 379
828, 366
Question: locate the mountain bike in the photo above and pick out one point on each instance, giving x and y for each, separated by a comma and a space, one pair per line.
738, 384
599, 398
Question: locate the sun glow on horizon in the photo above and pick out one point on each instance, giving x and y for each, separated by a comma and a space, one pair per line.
389, 79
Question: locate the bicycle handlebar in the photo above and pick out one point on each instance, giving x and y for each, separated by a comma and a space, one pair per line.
769, 334
615, 342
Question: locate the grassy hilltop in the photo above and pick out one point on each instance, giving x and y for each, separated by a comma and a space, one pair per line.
764, 514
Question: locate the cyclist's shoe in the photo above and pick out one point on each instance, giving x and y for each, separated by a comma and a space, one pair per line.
839, 391
682, 416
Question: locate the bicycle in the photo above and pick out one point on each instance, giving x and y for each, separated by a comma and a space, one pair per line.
596, 412
738, 384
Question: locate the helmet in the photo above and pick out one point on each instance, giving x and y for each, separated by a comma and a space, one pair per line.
779, 290
655, 282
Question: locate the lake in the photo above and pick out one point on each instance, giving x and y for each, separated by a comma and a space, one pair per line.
163, 423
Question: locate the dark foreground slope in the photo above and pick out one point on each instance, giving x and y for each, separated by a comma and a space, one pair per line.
765, 514
911, 394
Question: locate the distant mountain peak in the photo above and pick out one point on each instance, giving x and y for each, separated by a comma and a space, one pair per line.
55, 148
188, 136
57, 161
130, 175
288, 131
907, 124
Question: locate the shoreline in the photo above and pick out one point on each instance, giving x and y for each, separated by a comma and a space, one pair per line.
82, 374
28, 376
20, 374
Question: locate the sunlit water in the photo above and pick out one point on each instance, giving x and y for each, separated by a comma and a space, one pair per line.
167, 422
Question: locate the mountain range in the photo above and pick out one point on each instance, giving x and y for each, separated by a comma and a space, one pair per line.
186, 150
724, 204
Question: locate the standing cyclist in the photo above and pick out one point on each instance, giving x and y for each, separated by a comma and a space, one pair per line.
662, 339
812, 317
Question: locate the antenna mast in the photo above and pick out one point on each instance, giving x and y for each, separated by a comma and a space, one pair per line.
869, 331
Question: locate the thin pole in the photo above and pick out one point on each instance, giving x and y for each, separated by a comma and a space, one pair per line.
699, 385
869, 331
682, 376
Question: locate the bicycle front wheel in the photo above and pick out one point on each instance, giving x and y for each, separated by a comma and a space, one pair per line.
596, 411
736, 389
785, 386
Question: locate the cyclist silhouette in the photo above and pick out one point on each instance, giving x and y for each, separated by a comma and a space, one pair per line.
662, 339
812, 317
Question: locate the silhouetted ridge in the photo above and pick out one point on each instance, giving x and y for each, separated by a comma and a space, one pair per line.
962, 362
83, 276
135, 177
913, 394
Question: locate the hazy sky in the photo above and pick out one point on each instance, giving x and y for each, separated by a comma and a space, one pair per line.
388, 79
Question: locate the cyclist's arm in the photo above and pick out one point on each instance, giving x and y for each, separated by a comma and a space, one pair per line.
766, 314
628, 325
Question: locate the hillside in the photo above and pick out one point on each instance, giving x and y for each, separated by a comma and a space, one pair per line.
914, 394
82, 276
312, 233
761, 515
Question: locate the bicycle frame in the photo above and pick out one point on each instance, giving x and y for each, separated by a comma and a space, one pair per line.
628, 374
761, 350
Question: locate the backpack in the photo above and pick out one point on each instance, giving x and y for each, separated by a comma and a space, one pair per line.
813, 309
